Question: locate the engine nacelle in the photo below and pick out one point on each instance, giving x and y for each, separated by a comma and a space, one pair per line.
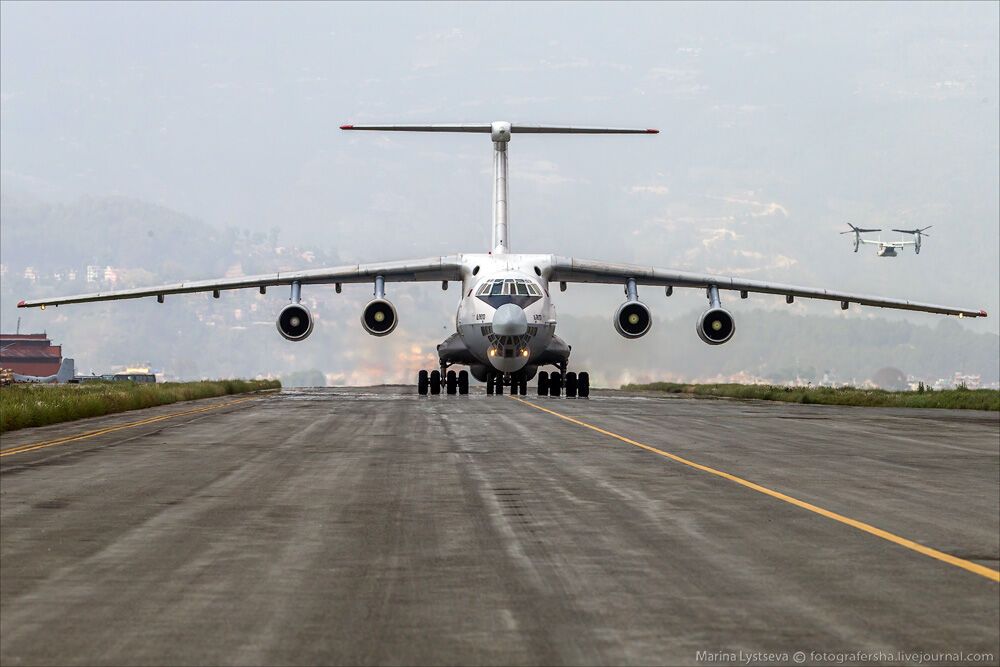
716, 326
295, 322
379, 317
633, 319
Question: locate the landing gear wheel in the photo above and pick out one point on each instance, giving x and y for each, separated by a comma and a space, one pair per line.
571, 385
463, 383
499, 387
490, 380
543, 383
555, 384
451, 383
435, 382
523, 385
422, 383
583, 385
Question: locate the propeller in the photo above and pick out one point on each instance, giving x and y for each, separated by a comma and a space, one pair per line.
919, 233
857, 231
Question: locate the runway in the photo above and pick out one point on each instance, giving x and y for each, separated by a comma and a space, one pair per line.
372, 526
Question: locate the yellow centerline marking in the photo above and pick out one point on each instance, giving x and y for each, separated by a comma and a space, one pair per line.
975, 568
20, 449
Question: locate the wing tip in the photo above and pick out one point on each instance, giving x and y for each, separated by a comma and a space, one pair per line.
982, 313
652, 130
22, 304
347, 127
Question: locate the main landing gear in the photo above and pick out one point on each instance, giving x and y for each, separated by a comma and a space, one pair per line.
575, 384
452, 382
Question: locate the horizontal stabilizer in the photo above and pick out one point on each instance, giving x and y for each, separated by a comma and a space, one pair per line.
440, 127
556, 129
488, 127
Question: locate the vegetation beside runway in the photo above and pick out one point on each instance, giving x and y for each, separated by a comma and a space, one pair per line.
956, 399
25, 405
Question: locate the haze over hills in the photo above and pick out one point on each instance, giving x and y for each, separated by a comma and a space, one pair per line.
779, 123
197, 336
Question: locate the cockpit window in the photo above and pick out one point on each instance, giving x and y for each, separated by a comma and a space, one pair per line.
508, 287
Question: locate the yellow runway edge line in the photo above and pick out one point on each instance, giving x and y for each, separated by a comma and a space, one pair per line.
975, 568
90, 434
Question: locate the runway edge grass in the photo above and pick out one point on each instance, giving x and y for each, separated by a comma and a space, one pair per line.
27, 405
955, 399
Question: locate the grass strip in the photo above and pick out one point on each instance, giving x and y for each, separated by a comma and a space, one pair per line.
955, 399
26, 405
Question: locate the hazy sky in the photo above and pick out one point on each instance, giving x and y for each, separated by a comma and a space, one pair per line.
779, 122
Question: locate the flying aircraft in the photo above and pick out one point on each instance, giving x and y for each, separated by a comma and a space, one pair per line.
505, 326
66, 373
888, 248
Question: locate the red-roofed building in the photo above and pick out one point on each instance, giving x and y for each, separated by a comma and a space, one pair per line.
30, 354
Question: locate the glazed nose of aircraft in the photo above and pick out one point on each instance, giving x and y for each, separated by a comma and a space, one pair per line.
510, 320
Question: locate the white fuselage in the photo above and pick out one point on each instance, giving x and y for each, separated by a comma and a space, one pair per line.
885, 250
524, 288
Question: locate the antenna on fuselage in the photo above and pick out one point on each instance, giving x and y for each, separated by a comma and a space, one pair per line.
500, 132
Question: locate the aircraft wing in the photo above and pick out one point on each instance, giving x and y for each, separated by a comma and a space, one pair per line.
572, 270
429, 270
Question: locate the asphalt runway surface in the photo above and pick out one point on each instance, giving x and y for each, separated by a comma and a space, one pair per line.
372, 526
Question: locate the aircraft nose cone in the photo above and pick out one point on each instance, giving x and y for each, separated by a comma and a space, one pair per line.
510, 320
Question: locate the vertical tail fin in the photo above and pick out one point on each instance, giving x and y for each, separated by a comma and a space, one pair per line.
500, 132
67, 370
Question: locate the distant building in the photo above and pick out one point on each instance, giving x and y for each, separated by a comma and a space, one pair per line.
93, 273
969, 381
30, 354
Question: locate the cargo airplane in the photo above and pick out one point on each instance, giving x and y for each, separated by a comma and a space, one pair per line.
505, 327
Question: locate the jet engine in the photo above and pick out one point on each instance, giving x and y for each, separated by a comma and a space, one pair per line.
295, 322
716, 326
379, 317
633, 319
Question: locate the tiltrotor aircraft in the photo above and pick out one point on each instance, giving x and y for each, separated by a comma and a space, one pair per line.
888, 248
506, 321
